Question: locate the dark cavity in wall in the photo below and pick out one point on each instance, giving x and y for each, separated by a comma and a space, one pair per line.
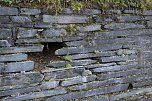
42, 59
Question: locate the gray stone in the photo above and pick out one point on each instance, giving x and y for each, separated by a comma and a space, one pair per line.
83, 94
131, 11
116, 26
147, 12
114, 59
19, 79
129, 18
4, 43
149, 23
43, 25
4, 19
18, 66
27, 33
99, 65
5, 33
142, 83
113, 11
21, 19
63, 74
125, 52
28, 11
99, 98
65, 19
73, 63
13, 57
74, 50
124, 33
93, 27
8, 11
91, 55
39, 40
43, 86
34, 95
78, 80
125, 73
72, 38
26, 49
99, 42
131, 93
115, 68
53, 32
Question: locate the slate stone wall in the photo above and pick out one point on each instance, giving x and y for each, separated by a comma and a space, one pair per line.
107, 57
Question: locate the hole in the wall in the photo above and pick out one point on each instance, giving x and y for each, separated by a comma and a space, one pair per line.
130, 86
42, 59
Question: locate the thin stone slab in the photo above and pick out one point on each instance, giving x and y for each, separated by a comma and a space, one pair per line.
116, 26
115, 68
78, 80
91, 55
5, 33
26, 49
4, 43
147, 12
4, 19
65, 19
27, 33
73, 63
131, 93
34, 95
8, 11
18, 67
39, 40
130, 18
74, 50
13, 57
19, 79
28, 11
53, 33
21, 19
94, 27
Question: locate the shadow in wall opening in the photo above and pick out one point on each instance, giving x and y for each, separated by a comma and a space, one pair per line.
42, 59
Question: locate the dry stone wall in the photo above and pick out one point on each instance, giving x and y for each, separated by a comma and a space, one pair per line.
106, 56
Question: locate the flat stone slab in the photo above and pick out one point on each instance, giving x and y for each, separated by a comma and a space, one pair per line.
20, 79
73, 63
43, 86
18, 67
94, 27
78, 80
63, 73
5, 33
39, 40
8, 11
34, 95
13, 57
74, 50
21, 19
27, 33
116, 26
65, 19
53, 33
28, 11
24, 49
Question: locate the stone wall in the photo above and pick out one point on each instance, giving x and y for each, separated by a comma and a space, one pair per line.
106, 56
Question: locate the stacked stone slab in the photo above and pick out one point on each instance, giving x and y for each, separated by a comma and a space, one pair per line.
108, 58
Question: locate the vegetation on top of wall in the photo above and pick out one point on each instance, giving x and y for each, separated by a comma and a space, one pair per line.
76, 5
